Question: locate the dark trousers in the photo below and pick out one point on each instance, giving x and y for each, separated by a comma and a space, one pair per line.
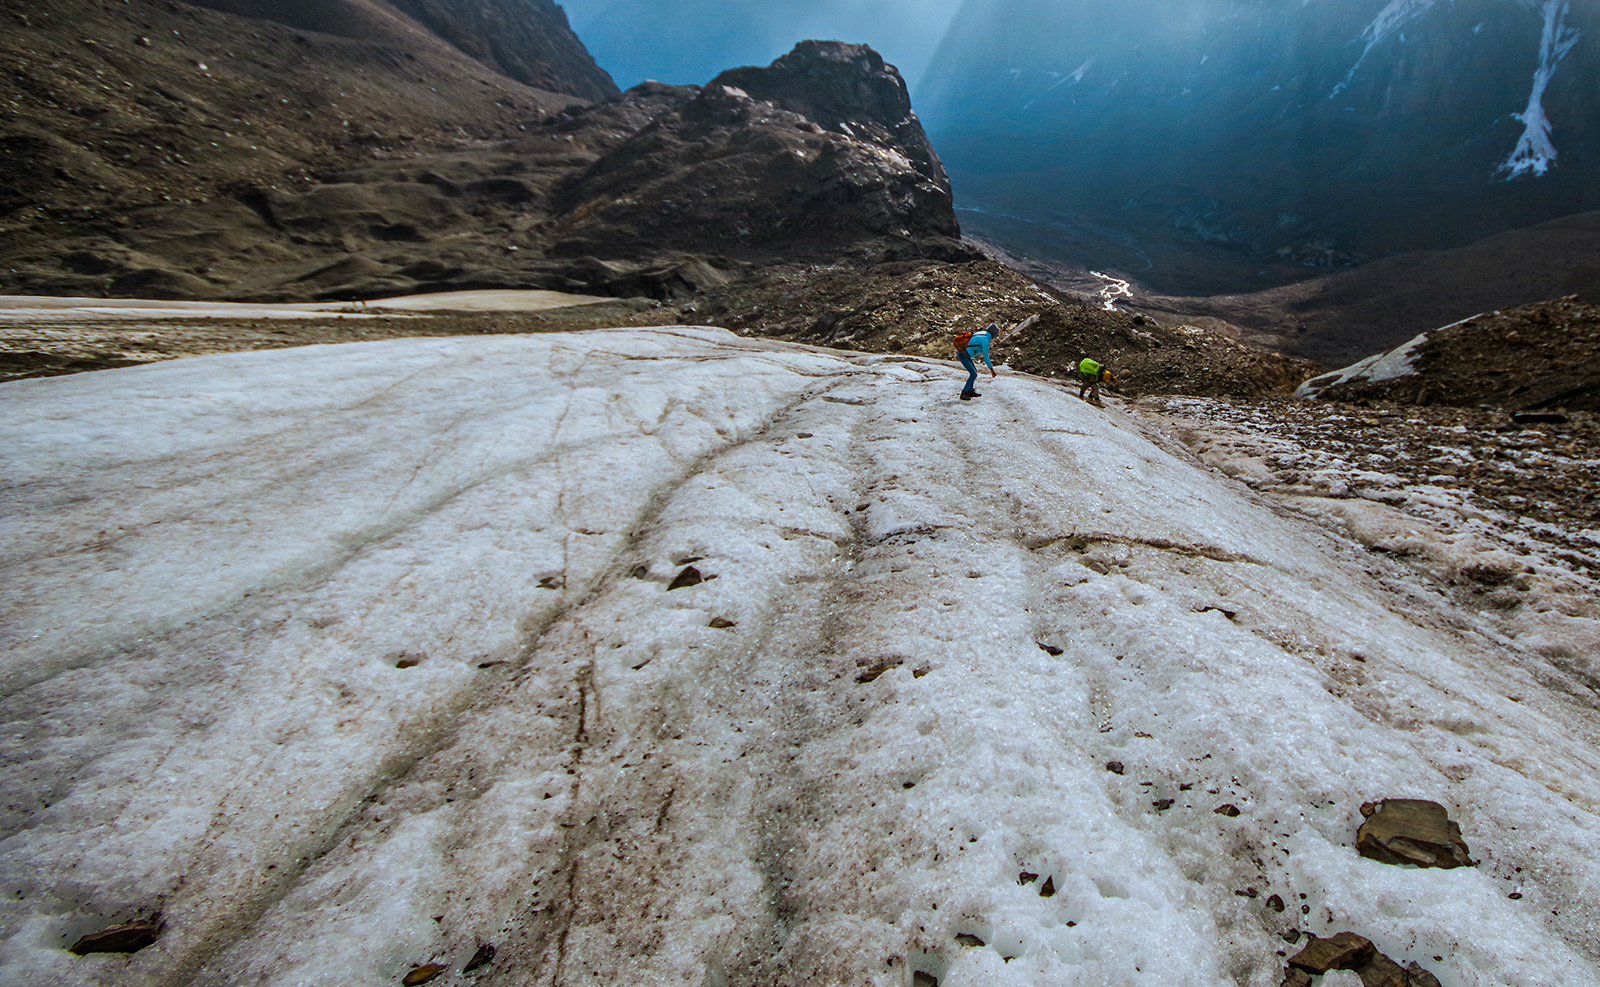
972, 368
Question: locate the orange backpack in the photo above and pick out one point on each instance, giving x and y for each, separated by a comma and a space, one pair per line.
961, 340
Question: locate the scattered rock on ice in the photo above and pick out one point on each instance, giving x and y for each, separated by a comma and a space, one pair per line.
968, 939
1420, 977
871, 668
129, 937
1381, 971
422, 974
483, 957
1344, 951
1115, 767
1296, 978
722, 622
1411, 831
1230, 810
687, 576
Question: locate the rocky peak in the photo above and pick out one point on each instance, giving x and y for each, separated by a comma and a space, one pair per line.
813, 157
847, 89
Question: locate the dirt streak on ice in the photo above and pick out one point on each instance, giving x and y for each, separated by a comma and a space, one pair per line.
352, 658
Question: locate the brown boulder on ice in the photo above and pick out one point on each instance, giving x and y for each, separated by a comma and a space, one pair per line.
1411, 831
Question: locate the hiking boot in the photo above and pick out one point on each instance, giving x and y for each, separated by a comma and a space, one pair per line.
966, 395
974, 394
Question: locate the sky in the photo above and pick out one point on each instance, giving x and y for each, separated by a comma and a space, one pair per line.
667, 656
690, 41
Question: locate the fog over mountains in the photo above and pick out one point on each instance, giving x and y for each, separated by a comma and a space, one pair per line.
1305, 134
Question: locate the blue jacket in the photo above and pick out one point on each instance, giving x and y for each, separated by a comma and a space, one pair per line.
978, 346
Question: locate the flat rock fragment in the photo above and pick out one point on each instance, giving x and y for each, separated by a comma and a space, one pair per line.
1344, 951
422, 974
1411, 831
483, 957
129, 937
1381, 971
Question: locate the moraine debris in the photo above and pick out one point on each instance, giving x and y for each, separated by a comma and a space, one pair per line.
1411, 831
1348, 951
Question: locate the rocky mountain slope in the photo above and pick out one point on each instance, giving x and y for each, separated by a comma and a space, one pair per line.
1534, 358
108, 110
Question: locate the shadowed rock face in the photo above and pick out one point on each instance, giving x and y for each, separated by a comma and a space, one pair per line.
1300, 135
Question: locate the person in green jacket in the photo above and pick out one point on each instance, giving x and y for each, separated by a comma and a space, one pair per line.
1090, 373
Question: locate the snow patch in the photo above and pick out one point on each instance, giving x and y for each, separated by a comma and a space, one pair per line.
1398, 362
1535, 152
1391, 20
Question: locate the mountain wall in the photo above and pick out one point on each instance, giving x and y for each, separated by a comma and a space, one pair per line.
1304, 134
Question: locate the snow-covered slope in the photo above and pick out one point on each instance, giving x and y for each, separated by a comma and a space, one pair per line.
350, 659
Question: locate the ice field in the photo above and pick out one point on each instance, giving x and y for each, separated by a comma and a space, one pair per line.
349, 659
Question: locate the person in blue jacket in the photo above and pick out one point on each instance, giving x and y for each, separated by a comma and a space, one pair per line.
977, 346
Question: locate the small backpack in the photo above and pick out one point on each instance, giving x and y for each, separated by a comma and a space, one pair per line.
961, 340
